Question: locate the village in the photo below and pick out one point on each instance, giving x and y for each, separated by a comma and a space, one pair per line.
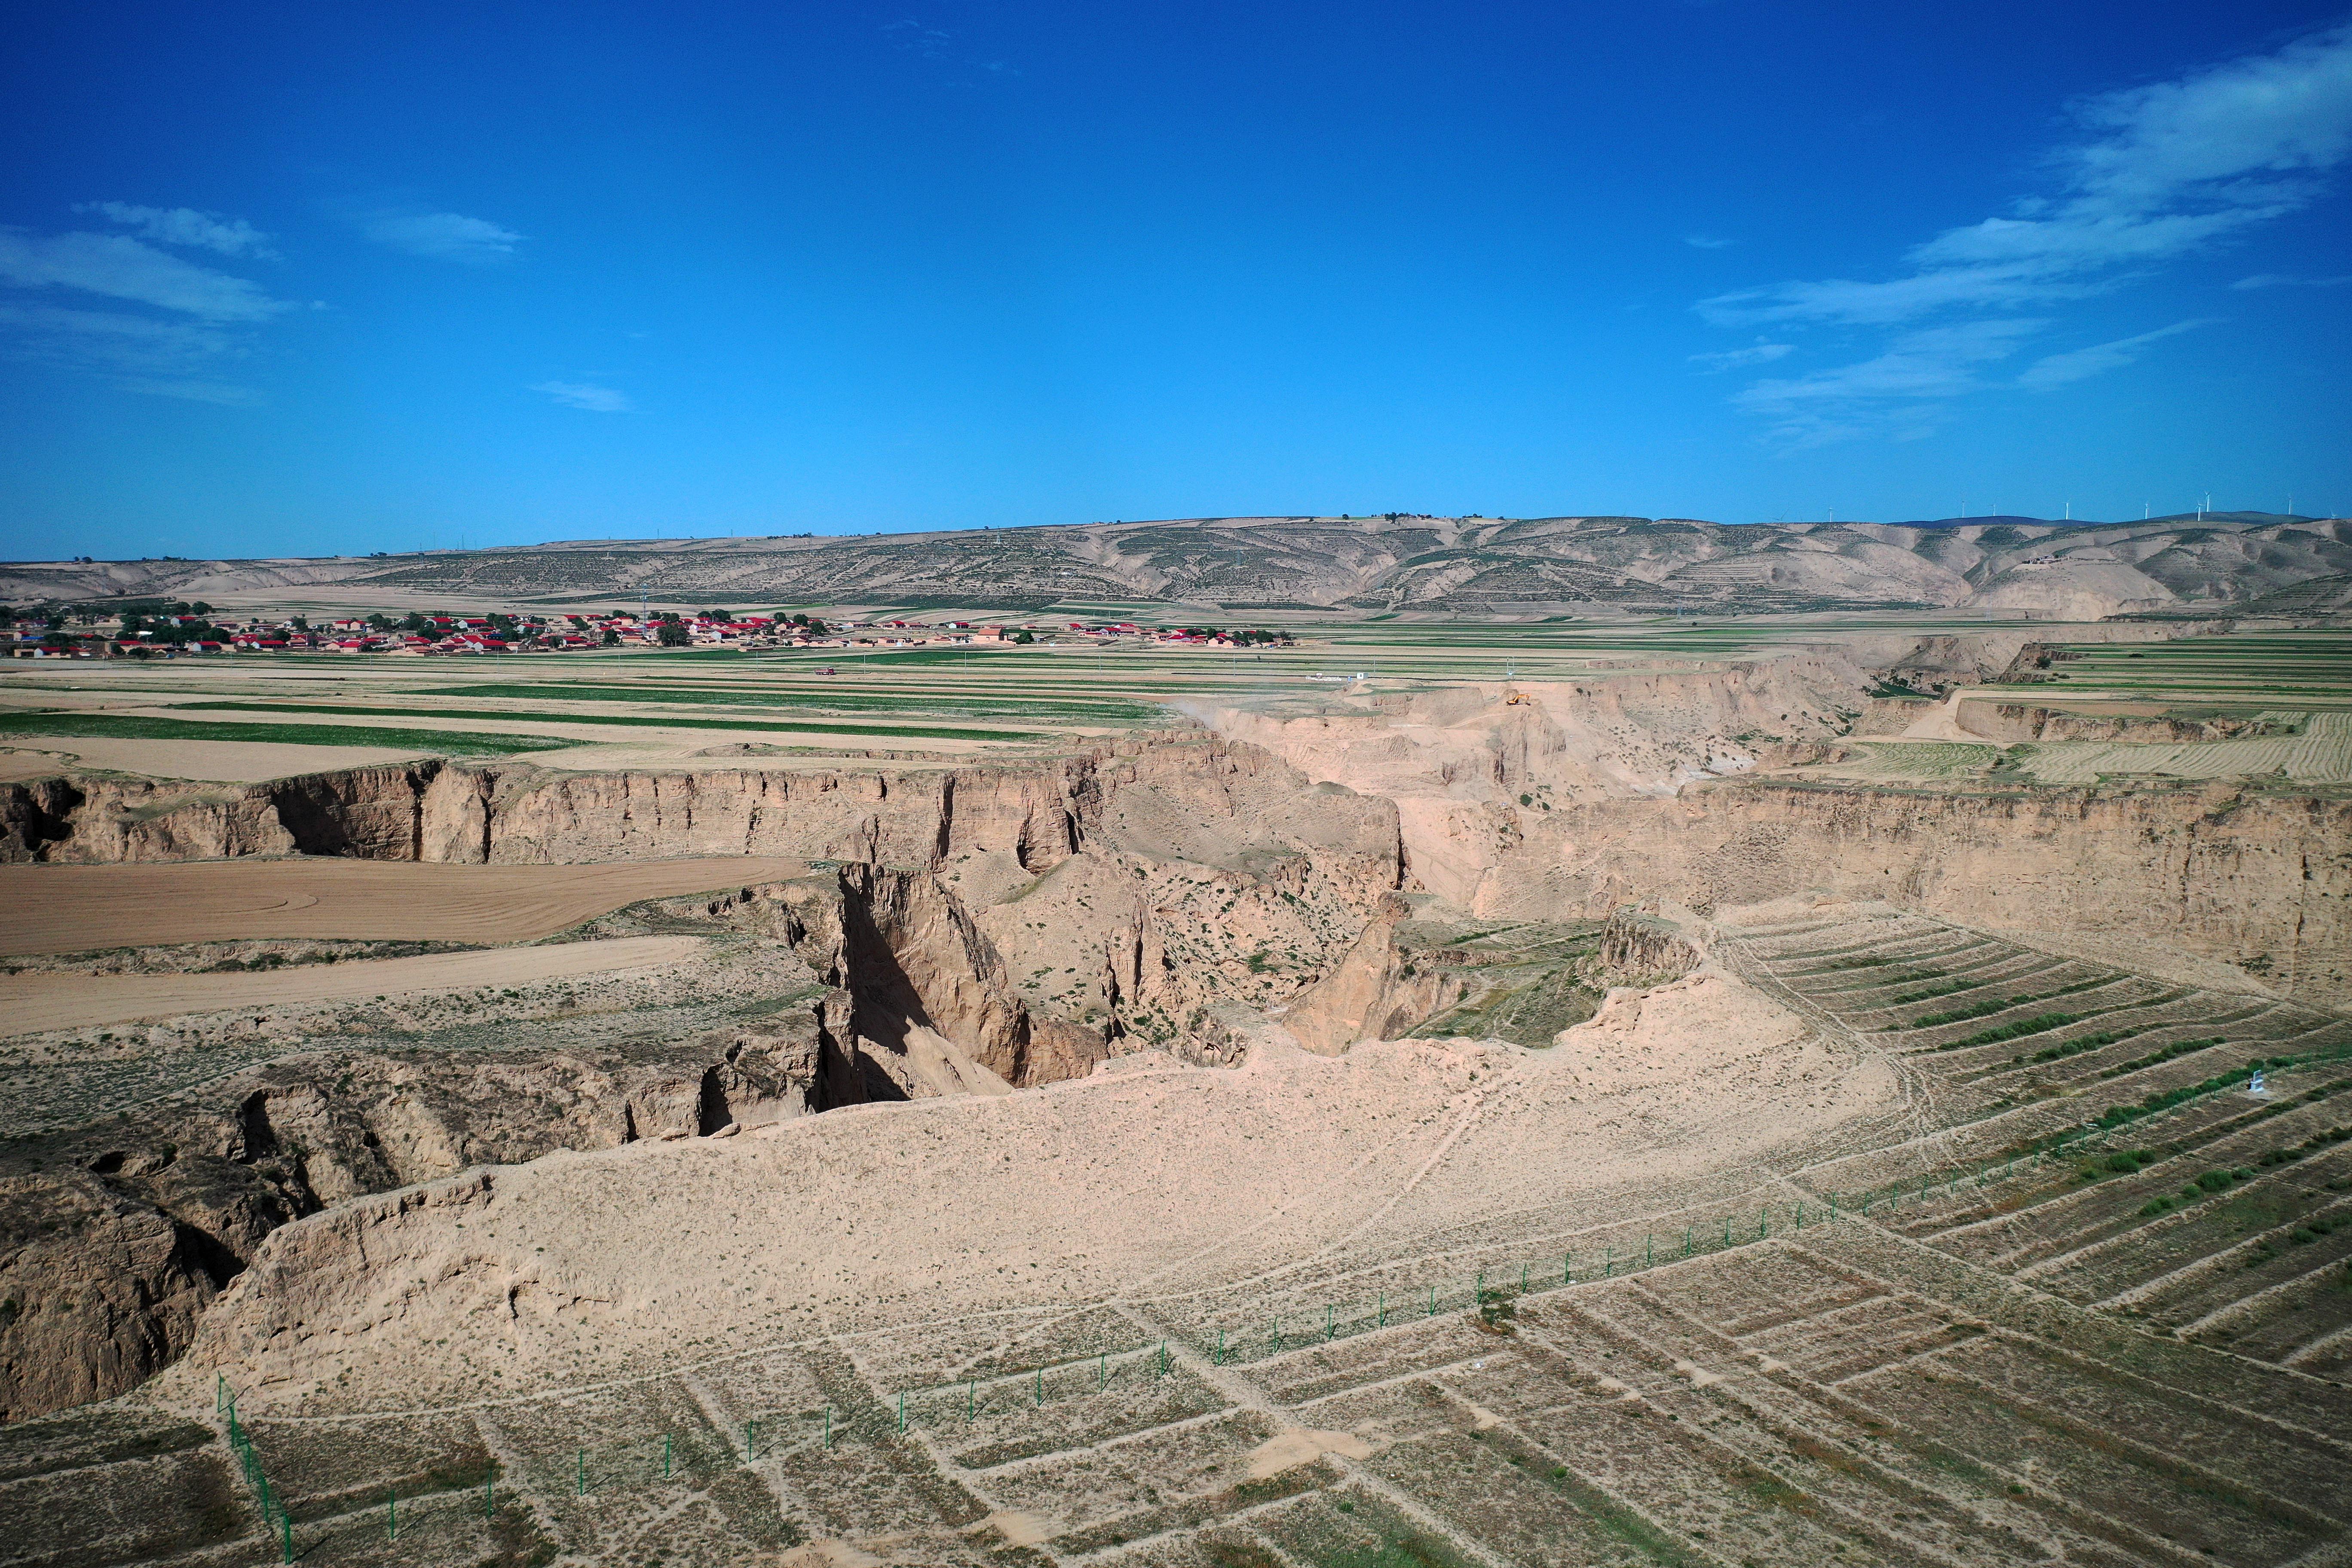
153, 629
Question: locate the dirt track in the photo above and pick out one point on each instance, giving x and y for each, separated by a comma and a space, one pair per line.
33, 1003
77, 909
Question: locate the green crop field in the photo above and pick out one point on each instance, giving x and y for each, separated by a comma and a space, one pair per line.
686, 721
2293, 669
136, 727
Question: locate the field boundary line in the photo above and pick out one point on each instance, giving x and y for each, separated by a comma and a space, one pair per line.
2097, 1525
2001, 1287
1481, 1416
2213, 1262
1698, 1440
1246, 1395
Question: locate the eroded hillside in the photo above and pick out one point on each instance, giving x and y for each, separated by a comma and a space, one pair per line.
1391, 563
1740, 1109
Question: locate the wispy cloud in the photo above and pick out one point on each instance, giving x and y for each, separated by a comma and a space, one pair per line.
125, 268
2280, 280
908, 34
138, 354
1706, 241
440, 236
583, 394
2161, 171
1759, 352
1898, 392
2057, 370
205, 318
186, 226
941, 44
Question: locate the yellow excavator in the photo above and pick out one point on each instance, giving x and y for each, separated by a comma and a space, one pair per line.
1512, 695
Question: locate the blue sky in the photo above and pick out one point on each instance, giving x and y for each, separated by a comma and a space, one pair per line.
300, 280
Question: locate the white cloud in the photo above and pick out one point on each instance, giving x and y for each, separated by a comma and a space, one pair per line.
1706, 241
581, 395
2160, 171
186, 226
138, 353
124, 269
2173, 167
441, 236
2058, 370
2280, 280
1889, 394
1732, 359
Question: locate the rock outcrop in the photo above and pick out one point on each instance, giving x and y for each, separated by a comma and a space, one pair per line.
114, 1237
2235, 873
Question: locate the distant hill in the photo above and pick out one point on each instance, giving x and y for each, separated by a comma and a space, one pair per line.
1398, 562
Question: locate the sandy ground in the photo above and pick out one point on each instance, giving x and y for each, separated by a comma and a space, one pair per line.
32, 1004
17, 765
212, 762
76, 908
1942, 723
1162, 1184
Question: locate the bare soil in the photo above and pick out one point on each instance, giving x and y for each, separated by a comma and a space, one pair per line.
76, 908
35, 1003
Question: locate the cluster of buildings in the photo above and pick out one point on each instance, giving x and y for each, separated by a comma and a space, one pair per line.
135, 635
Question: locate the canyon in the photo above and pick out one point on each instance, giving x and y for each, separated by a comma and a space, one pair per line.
913, 1073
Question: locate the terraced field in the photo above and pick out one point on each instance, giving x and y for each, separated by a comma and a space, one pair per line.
2321, 753
2083, 1298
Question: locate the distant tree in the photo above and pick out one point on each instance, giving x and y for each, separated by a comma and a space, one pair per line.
413, 621
816, 627
612, 638
1023, 637
718, 615
672, 634
301, 623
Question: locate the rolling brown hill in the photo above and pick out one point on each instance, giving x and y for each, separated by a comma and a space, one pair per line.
1392, 563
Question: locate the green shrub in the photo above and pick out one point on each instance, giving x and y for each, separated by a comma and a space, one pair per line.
2214, 1180
2155, 1206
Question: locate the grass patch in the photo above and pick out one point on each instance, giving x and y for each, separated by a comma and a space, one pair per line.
1931, 992
846, 701
2018, 1030
638, 721
1989, 1005
132, 727
2075, 1048
2155, 1057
